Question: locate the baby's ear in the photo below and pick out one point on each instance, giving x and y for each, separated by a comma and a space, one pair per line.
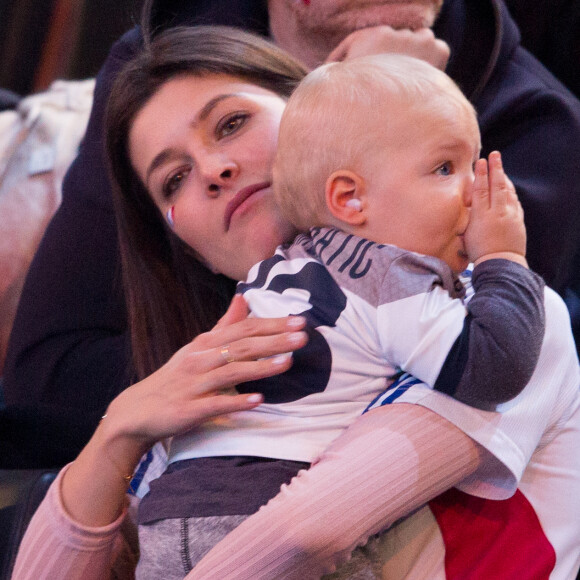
345, 197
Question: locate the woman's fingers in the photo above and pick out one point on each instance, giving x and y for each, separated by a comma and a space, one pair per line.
189, 388
237, 311
232, 374
210, 407
197, 362
175, 404
259, 347
230, 334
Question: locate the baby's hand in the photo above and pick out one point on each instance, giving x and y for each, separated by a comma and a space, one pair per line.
496, 226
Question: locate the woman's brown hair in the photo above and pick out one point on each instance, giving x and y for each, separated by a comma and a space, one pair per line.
171, 296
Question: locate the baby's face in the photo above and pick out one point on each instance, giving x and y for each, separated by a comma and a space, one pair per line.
420, 176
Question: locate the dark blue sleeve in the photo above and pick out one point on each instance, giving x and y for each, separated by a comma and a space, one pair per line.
495, 355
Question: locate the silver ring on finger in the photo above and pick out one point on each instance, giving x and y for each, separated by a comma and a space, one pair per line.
226, 354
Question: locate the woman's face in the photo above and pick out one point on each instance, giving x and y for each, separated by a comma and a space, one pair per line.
204, 148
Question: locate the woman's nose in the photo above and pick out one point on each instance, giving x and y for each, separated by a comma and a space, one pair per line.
224, 176
218, 173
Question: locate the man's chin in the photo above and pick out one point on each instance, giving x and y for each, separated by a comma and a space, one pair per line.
341, 17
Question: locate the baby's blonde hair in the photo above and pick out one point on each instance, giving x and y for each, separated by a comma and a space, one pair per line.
330, 123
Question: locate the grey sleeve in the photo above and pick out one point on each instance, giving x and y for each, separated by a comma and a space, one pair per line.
496, 353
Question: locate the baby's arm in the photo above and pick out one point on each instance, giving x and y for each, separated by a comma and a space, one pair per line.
389, 462
495, 354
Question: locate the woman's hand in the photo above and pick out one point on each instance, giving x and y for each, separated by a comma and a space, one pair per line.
188, 390
420, 44
197, 383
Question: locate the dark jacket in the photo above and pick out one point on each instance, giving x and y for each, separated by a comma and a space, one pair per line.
551, 31
69, 352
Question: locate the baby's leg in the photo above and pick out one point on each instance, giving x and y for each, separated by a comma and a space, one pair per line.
170, 548
363, 565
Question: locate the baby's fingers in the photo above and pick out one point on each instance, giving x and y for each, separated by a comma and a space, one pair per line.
480, 190
502, 191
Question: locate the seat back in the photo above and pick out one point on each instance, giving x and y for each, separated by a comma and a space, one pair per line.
21, 492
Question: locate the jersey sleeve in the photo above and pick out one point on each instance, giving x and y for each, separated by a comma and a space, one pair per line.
512, 432
495, 355
482, 353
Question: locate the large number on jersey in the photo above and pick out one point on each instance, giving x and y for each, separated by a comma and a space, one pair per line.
311, 367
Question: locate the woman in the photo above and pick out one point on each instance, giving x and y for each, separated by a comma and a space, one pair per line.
198, 164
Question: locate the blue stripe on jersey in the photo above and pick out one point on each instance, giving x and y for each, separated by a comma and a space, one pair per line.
140, 473
403, 382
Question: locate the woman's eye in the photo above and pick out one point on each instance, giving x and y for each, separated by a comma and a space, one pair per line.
231, 124
174, 181
444, 169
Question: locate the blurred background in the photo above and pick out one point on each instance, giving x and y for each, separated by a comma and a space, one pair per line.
44, 40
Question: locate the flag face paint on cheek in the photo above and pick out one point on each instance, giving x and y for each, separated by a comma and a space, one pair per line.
171, 216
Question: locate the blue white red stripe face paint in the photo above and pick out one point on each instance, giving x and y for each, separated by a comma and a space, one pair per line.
171, 216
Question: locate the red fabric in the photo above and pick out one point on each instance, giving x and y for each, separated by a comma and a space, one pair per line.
487, 539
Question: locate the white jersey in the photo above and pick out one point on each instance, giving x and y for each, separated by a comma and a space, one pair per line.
373, 311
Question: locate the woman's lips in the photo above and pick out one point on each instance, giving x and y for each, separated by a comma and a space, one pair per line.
239, 199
